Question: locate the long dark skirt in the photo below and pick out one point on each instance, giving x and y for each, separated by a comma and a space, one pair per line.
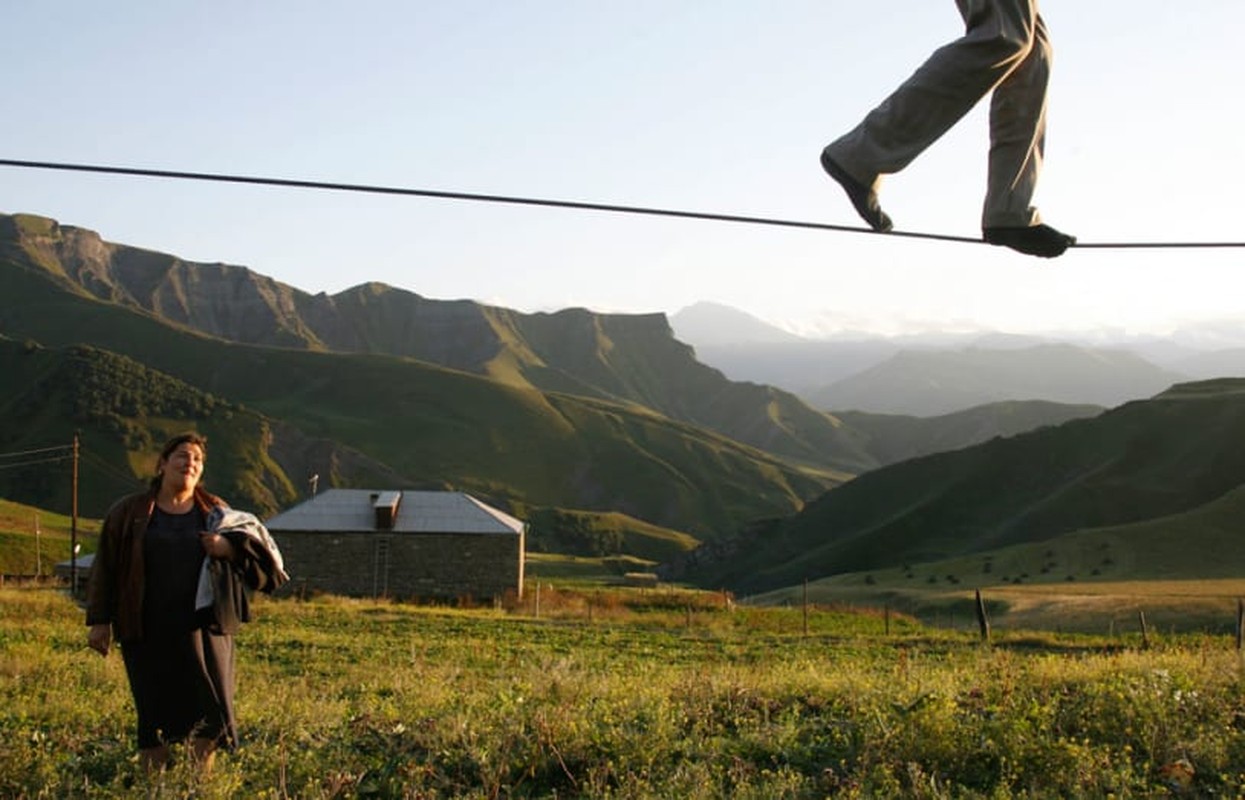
183, 688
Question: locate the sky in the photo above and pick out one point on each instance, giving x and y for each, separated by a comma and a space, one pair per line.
718, 107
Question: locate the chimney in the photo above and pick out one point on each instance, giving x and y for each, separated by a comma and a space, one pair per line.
386, 505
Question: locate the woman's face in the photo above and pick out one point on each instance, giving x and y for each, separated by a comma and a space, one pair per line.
182, 468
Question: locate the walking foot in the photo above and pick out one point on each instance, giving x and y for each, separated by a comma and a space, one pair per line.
863, 198
1035, 240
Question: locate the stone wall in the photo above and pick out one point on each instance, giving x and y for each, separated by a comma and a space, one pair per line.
403, 565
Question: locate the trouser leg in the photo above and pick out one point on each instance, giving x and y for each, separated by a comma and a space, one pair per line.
1018, 137
999, 37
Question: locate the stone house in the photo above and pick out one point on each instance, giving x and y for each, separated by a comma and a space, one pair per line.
408, 544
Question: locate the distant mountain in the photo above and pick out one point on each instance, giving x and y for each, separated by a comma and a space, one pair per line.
799, 367
1141, 461
706, 323
621, 358
925, 374
1224, 363
894, 438
928, 383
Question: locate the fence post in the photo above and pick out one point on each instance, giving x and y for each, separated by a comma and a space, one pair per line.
982, 621
537, 614
1145, 633
806, 606
1240, 623
886, 619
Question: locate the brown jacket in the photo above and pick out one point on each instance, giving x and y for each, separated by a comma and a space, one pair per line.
114, 592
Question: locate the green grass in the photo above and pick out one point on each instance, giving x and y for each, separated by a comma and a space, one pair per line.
583, 569
341, 698
21, 552
1185, 572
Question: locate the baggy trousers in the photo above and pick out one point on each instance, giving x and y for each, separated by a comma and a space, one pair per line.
1005, 50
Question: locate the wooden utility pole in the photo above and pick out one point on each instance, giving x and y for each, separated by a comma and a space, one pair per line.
73, 523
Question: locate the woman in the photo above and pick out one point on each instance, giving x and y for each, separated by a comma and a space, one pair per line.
158, 557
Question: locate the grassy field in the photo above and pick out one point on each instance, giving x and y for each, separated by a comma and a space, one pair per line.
1109, 608
653, 694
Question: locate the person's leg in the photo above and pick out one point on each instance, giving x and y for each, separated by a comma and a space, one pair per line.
214, 669
923, 108
145, 667
153, 759
203, 752
1018, 137
1017, 143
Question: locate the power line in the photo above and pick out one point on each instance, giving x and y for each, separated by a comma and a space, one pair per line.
107, 467
570, 204
19, 453
52, 460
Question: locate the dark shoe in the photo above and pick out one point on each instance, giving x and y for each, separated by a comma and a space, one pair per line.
1035, 240
863, 197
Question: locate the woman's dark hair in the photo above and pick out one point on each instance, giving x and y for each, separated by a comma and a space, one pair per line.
190, 437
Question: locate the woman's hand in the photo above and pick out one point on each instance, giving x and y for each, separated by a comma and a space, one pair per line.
216, 546
99, 637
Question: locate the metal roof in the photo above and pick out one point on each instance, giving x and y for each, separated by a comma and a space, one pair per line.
347, 510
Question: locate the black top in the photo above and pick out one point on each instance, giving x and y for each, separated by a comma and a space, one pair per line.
173, 556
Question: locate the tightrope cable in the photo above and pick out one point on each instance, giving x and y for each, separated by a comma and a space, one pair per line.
550, 203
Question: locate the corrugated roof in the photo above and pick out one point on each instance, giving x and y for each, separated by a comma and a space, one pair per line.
419, 512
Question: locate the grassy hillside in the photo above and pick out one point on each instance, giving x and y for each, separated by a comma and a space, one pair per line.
123, 412
624, 358
440, 427
1185, 571
597, 535
1201, 544
1142, 461
892, 438
22, 552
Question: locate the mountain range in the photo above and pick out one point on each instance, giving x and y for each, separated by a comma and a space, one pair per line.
605, 430
627, 359
1144, 461
940, 373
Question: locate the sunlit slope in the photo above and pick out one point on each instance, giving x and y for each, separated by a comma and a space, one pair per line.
121, 411
430, 424
626, 358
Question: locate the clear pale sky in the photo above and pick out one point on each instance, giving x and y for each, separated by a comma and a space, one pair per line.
716, 106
